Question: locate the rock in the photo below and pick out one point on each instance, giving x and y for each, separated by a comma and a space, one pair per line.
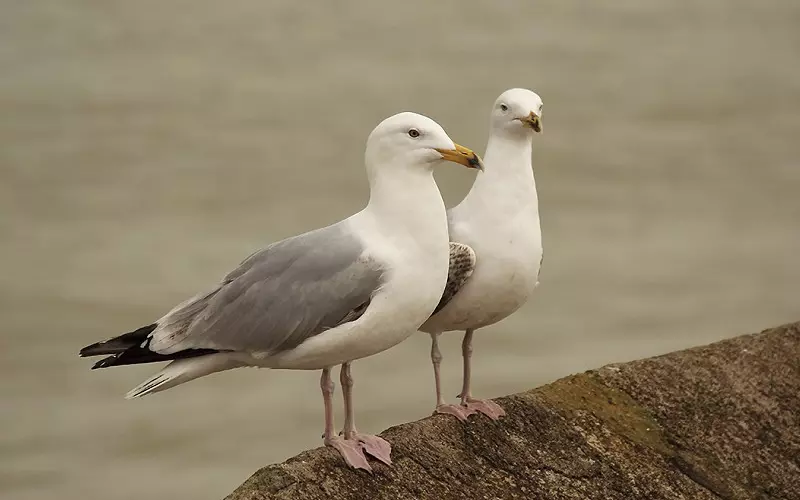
720, 421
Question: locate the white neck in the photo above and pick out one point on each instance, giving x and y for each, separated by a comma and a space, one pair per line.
508, 179
409, 206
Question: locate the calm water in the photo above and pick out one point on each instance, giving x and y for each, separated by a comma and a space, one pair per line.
146, 147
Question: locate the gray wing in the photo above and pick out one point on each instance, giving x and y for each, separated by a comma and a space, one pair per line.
462, 264
278, 297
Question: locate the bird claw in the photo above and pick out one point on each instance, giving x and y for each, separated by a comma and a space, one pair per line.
350, 450
376, 447
458, 411
487, 407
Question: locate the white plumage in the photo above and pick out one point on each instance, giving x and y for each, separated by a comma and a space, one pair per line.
499, 220
326, 297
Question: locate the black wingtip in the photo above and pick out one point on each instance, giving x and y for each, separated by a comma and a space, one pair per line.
91, 350
118, 344
105, 362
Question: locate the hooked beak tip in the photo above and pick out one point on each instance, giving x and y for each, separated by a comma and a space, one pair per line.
463, 156
532, 121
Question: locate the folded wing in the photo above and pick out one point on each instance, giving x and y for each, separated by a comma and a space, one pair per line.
462, 264
275, 300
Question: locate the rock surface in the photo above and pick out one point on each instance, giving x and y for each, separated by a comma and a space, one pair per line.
720, 421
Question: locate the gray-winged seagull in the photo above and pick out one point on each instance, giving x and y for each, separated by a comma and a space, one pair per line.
496, 252
326, 297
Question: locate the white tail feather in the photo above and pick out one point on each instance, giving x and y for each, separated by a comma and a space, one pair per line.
181, 371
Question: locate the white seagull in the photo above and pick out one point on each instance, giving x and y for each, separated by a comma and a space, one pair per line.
496, 252
323, 298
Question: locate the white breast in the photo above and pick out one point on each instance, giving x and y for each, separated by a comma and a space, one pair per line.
499, 219
508, 257
412, 245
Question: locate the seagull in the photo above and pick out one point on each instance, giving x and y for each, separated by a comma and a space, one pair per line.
496, 249
323, 298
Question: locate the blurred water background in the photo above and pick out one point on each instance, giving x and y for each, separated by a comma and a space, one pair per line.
147, 147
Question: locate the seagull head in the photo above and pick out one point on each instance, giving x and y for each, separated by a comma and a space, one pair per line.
517, 110
417, 142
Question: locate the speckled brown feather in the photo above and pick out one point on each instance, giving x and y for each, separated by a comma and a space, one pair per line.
462, 263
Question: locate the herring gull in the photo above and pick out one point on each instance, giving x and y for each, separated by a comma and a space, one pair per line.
323, 298
496, 252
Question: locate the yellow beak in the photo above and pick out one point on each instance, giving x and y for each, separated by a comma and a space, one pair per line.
462, 155
532, 121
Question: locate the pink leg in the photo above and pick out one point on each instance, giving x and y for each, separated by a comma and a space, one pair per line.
373, 445
350, 450
459, 411
485, 406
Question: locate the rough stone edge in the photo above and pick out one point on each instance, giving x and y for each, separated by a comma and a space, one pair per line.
587, 391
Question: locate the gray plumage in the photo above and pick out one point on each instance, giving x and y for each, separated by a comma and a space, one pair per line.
278, 297
462, 264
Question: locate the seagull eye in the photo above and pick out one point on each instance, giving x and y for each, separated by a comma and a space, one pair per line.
503, 108
413, 133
